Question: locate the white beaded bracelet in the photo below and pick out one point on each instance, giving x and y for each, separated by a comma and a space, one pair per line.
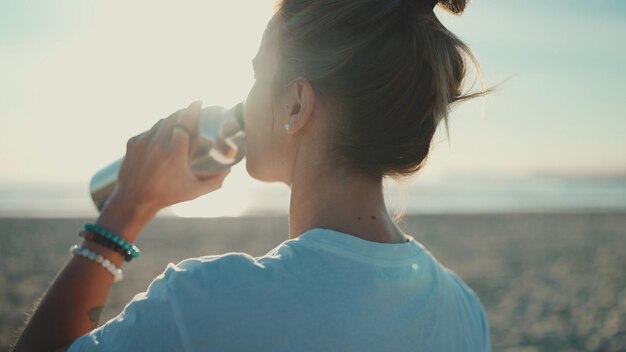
96, 257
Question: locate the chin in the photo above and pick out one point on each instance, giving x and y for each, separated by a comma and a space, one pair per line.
259, 173
249, 167
253, 170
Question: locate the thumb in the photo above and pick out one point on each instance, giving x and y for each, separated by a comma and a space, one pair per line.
210, 183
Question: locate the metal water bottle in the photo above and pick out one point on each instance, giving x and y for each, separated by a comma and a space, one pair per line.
220, 143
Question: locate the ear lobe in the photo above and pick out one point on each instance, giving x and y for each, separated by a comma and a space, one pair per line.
294, 116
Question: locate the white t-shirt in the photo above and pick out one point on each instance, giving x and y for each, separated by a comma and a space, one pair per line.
322, 291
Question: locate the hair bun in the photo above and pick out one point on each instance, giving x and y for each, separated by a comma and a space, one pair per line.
454, 6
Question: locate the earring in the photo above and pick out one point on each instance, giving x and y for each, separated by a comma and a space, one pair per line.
286, 127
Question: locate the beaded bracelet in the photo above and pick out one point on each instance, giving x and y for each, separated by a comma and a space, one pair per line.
95, 237
114, 238
96, 257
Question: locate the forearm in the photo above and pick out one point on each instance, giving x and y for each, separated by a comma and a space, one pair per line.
155, 174
71, 307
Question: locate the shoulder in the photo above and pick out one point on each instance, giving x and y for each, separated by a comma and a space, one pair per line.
278, 262
207, 269
464, 291
229, 259
473, 305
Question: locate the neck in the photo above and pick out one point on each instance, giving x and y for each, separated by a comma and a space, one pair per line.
353, 205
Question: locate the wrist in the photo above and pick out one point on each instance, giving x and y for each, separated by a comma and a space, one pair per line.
113, 256
125, 219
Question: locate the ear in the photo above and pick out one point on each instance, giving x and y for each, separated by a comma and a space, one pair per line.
300, 104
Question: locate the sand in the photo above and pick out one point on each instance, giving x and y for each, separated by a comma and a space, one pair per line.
549, 282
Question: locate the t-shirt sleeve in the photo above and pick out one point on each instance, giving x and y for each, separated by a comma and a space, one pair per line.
147, 323
486, 330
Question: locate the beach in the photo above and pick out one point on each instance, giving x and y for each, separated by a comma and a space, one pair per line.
548, 281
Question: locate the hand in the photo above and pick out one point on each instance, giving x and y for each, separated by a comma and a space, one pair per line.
156, 173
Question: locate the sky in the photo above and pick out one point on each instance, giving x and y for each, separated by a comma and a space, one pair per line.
78, 78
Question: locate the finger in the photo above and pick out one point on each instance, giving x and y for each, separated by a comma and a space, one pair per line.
211, 183
179, 144
144, 137
186, 123
191, 116
153, 131
206, 176
165, 130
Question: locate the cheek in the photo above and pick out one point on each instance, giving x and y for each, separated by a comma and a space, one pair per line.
256, 103
249, 107
258, 123
258, 112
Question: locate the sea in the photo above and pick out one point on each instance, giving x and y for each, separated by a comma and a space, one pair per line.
459, 194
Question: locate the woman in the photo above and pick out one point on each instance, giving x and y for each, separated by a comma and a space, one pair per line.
346, 93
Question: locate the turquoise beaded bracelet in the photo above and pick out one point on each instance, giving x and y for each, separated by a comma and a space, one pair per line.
115, 238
